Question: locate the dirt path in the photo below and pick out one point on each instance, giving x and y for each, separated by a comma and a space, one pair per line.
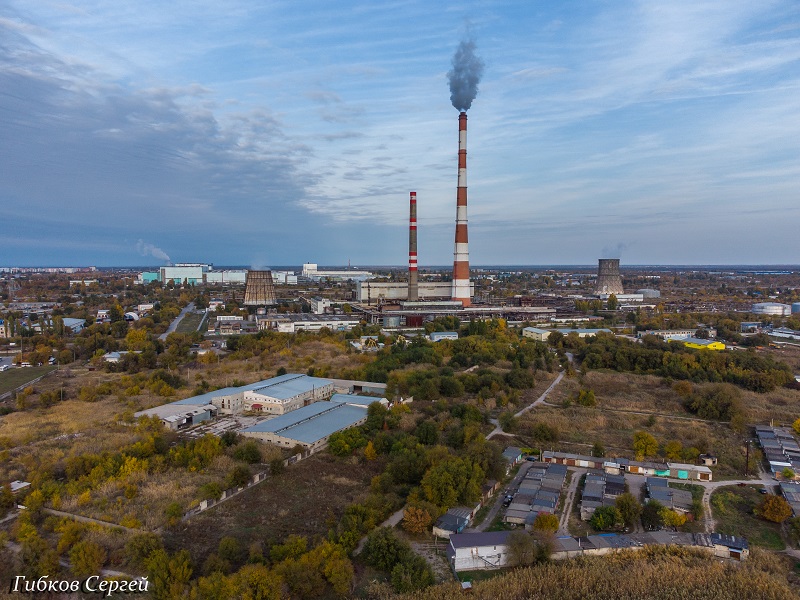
566, 509
540, 400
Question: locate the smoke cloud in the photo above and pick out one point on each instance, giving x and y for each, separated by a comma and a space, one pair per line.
150, 250
465, 75
614, 251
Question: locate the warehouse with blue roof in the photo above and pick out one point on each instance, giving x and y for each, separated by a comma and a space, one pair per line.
311, 426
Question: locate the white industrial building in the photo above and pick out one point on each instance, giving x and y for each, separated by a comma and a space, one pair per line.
275, 396
193, 274
292, 323
371, 292
771, 308
319, 306
311, 271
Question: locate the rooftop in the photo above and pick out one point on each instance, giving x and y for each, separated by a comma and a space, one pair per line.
311, 423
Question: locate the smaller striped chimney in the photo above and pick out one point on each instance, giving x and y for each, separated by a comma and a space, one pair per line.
413, 285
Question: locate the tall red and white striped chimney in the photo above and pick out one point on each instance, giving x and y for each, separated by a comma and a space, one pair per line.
413, 285
461, 287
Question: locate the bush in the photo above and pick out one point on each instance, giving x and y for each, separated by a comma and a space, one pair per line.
248, 452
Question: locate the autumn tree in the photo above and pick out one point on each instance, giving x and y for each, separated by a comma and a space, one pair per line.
775, 509
86, 558
644, 445
545, 522
416, 519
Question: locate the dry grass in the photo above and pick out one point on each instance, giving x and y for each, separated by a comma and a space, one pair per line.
649, 574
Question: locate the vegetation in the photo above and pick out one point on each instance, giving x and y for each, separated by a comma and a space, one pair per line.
661, 573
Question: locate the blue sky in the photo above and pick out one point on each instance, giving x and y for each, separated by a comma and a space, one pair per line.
276, 133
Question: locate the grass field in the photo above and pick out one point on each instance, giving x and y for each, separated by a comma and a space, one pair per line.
190, 322
733, 512
16, 376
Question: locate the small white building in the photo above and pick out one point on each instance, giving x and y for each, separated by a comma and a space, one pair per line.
540, 335
479, 551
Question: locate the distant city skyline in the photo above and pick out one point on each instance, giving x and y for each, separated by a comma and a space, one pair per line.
658, 133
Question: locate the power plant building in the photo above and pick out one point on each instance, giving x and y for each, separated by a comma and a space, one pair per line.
372, 292
310, 271
259, 290
609, 280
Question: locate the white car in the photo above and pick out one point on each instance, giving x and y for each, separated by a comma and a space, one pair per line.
4, 368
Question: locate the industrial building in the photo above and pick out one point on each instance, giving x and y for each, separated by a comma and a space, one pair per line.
292, 323
373, 292
534, 333
771, 308
192, 274
668, 334
276, 396
310, 271
312, 426
700, 344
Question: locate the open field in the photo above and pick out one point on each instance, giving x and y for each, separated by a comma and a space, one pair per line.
190, 322
733, 512
628, 403
16, 376
306, 500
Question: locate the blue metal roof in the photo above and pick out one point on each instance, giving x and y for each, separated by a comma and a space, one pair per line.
288, 386
311, 423
354, 399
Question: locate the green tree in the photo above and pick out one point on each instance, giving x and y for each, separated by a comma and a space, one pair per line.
383, 549
521, 548
169, 575
629, 508
257, 582
652, 517
414, 573
248, 452
644, 445
605, 518
612, 303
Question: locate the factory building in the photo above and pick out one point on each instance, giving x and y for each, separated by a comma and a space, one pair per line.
373, 292
310, 271
276, 396
312, 426
292, 323
192, 274
771, 308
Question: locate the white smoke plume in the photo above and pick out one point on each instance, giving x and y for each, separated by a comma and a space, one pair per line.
614, 251
465, 75
146, 249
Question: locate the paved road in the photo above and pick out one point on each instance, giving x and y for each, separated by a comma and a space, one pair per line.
174, 325
392, 521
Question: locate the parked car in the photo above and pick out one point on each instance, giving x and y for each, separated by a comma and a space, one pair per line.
4, 368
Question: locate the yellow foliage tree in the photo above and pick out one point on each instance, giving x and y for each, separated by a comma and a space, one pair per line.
369, 452
416, 519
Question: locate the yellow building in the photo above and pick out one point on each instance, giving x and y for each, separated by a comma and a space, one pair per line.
691, 342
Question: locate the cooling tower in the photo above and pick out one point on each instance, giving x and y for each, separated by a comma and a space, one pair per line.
259, 289
413, 285
460, 289
609, 280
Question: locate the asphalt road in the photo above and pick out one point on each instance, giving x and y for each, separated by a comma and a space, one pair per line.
174, 325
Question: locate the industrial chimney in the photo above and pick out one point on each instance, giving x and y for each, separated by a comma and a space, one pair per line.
609, 280
461, 287
413, 286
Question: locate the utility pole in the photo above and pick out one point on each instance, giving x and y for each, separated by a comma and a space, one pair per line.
747, 460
